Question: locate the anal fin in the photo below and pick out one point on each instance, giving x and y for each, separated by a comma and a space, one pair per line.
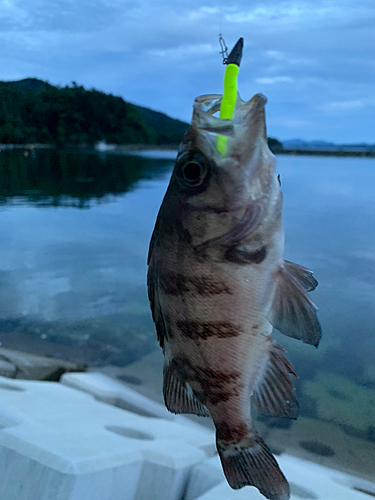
178, 395
293, 313
274, 394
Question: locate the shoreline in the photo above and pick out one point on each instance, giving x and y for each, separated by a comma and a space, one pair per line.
368, 153
125, 148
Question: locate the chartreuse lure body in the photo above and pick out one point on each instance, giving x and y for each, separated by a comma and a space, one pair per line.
229, 98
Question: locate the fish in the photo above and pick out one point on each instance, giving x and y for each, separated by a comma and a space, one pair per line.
218, 283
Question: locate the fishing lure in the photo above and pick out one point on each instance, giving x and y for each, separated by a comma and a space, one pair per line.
228, 101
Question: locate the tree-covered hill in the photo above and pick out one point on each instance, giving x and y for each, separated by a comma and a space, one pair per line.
170, 130
34, 111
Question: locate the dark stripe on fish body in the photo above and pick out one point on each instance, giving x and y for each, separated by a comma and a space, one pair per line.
217, 377
213, 378
174, 284
217, 387
239, 256
226, 433
207, 286
214, 386
178, 284
217, 397
196, 330
214, 394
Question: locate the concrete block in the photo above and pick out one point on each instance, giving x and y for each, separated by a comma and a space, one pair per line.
307, 480
58, 443
61, 444
319, 482
204, 478
223, 492
116, 393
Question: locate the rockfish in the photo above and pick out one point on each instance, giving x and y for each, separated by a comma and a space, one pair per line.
218, 283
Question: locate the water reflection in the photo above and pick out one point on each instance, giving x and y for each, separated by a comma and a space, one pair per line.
72, 282
69, 178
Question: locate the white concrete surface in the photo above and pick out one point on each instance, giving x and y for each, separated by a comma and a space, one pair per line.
58, 443
307, 481
116, 393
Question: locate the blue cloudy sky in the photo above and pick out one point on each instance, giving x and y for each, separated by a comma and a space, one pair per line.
313, 59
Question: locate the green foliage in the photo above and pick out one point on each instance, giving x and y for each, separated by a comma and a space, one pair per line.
167, 130
35, 111
274, 145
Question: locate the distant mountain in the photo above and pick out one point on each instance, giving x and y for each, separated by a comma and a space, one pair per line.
300, 143
33, 110
28, 84
169, 130
292, 143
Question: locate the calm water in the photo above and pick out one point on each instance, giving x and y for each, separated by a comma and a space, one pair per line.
74, 235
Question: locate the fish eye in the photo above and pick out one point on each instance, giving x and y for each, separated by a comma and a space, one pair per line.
191, 172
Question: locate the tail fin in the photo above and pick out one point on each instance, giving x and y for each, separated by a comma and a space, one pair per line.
250, 463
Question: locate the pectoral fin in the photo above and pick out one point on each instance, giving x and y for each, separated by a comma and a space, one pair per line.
293, 313
302, 275
178, 395
274, 393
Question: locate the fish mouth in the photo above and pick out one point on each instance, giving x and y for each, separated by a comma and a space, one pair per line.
243, 130
247, 162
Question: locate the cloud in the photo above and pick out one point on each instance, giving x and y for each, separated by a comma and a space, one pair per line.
183, 51
303, 12
283, 12
274, 79
342, 106
288, 58
290, 123
309, 56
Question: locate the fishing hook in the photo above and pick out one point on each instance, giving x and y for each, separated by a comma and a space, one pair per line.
224, 49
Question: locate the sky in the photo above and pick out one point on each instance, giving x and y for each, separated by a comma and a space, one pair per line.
313, 59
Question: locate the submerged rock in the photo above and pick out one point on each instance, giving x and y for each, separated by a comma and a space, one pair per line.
343, 402
7, 369
317, 448
22, 365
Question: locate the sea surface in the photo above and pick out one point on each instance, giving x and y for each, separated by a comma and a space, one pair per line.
75, 228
